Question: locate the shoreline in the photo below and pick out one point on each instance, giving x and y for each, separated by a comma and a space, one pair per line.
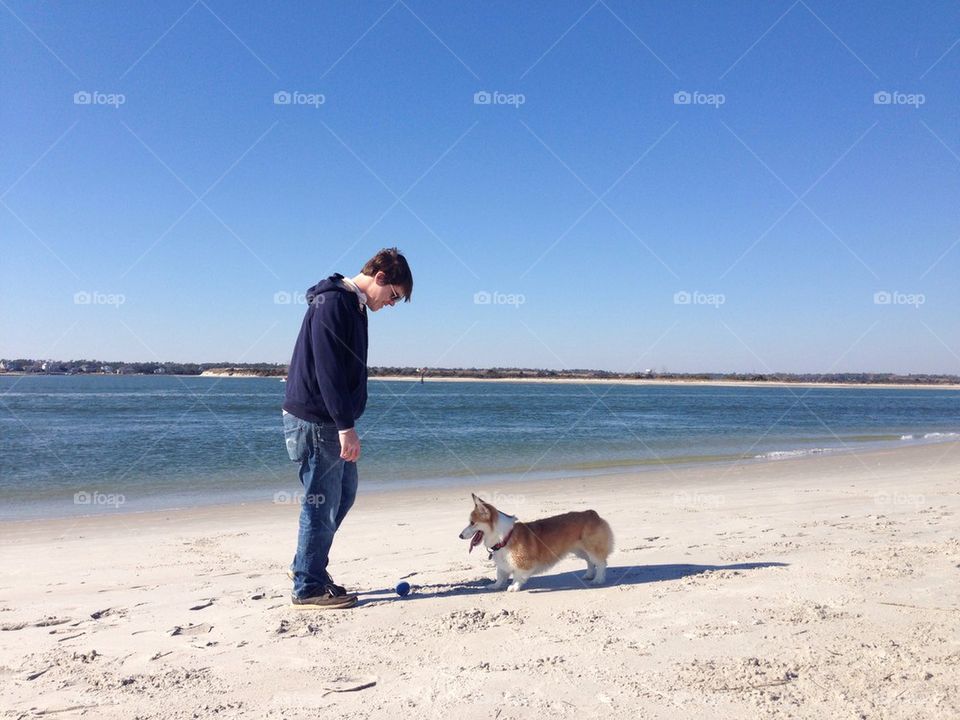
642, 381
619, 381
654, 478
654, 470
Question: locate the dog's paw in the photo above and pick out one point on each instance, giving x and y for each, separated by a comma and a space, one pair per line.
588, 576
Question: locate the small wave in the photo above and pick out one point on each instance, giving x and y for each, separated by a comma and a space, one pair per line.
931, 436
779, 454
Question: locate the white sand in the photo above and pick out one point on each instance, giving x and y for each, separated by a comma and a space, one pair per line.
822, 587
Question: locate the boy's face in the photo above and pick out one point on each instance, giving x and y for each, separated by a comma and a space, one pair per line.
382, 293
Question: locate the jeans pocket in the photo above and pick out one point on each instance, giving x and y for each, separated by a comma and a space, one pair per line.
295, 433
328, 440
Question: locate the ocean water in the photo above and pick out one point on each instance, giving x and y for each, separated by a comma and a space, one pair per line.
98, 444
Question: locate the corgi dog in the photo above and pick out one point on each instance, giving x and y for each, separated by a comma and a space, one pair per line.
523, 549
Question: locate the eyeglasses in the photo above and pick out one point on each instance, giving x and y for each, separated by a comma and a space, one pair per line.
394, 295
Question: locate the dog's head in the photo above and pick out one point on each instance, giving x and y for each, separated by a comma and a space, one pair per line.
482, 518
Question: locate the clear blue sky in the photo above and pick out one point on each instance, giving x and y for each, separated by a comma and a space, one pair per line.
598, 199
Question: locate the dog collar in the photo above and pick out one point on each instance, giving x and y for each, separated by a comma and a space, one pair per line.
502, 544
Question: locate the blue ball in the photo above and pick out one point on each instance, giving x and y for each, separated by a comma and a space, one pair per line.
403, 588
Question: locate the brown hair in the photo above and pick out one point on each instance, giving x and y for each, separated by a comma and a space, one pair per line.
394, 267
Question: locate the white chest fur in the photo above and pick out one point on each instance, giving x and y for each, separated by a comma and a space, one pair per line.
501, 557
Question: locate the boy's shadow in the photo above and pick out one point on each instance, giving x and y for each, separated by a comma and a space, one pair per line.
620, 575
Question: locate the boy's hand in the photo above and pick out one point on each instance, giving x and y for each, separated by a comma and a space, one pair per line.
349, 445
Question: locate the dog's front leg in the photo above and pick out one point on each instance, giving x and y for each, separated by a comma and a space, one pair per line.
503, 576
518, 581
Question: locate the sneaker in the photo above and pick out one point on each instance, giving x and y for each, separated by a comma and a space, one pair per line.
325, 601
337, 589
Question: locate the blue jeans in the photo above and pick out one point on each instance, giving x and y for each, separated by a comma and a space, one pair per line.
329, 489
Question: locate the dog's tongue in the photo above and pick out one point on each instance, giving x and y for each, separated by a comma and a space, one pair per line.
475, 540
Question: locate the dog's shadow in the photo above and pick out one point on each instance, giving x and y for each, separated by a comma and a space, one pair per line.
616, 576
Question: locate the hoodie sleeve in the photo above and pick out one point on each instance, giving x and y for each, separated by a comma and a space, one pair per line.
331, 346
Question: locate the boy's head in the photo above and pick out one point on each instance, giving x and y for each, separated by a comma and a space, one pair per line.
390, 279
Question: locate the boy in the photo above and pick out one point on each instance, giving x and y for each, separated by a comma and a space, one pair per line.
326, 392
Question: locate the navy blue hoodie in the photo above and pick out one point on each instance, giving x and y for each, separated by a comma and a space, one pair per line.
327, 379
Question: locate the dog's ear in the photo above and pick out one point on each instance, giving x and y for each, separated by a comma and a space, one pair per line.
482, 508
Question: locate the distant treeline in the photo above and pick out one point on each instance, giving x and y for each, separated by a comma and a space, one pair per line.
97, 367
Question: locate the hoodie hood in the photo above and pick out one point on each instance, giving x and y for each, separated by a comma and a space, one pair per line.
329, 284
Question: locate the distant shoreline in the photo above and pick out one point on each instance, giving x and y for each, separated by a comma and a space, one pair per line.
622, 381
542, 380
666, 381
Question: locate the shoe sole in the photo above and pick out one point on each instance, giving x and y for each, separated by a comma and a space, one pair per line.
343, 604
